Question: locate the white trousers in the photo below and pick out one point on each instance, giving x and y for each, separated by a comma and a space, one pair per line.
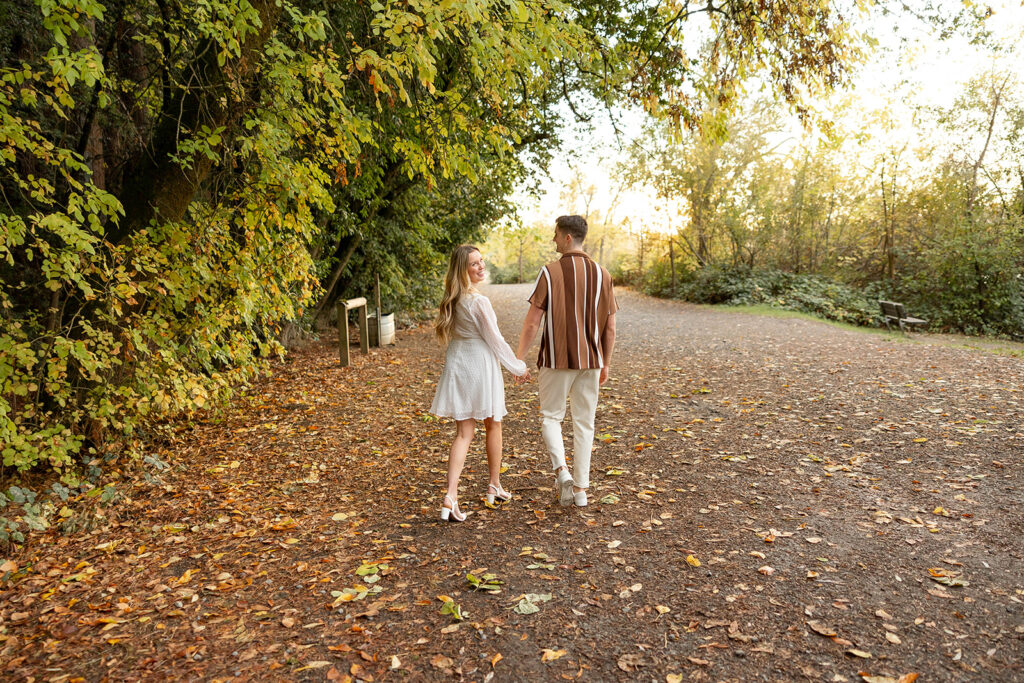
581, 387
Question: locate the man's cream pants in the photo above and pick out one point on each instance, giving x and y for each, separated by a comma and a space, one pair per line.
581, 387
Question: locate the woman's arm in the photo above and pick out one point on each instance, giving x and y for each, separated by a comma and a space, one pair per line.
488, 324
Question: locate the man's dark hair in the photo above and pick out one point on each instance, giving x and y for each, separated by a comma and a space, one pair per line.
573, 225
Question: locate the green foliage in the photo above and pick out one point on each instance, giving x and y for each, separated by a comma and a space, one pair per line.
742, 286
969, 283
167, 171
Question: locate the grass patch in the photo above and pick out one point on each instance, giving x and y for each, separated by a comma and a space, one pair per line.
772, 312
998, 347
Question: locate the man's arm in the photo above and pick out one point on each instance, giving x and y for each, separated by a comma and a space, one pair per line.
530, 326
607, 345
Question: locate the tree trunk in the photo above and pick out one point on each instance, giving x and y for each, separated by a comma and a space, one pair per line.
160, 188
342, 262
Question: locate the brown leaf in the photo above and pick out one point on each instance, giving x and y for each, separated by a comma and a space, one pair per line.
821, 629
630, 662
698, 661
359, 672
441, 662
548, 655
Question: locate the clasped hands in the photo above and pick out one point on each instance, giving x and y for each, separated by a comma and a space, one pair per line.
523, 378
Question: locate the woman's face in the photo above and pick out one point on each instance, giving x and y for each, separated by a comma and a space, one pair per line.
475, 267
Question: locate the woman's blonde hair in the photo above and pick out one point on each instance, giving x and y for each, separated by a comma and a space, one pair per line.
456, 283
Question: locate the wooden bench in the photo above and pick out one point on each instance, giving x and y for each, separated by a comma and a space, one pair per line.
364, 332
895, 313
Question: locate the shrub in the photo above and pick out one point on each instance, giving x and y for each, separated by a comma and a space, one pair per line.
742, 286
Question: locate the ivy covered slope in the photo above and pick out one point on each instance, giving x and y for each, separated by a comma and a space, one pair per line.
183, 181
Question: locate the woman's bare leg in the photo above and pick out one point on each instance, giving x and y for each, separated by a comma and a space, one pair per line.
457, 456
494, 447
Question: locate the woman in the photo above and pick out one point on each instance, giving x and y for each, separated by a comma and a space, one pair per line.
471, 387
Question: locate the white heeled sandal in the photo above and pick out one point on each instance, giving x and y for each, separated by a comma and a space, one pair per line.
451, 514
497, 492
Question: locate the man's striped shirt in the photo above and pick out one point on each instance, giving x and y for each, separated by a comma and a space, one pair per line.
577, 298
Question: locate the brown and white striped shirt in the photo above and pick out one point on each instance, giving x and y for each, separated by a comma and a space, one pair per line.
577, 298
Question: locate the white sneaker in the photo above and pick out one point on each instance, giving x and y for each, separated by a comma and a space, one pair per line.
564, 480
580, 498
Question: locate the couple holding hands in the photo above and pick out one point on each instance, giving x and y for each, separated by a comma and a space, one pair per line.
574, 304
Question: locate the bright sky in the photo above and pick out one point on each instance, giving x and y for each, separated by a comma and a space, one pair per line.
923, 71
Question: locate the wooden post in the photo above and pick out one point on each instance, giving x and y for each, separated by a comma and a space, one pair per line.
364, 332
376, 296
364, 329
343, 333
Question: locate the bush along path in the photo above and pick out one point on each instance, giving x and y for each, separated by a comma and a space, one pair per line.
772, 499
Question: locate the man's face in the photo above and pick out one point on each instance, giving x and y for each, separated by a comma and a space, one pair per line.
560, 241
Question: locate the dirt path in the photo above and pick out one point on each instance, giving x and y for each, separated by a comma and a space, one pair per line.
773, 499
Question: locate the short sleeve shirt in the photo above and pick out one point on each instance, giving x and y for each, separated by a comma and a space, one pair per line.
577, 298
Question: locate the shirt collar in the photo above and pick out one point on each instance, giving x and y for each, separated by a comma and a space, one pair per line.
577, 252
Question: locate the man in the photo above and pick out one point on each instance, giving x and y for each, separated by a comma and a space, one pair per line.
573, 299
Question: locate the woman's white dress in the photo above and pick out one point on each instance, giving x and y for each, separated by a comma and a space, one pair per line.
471, 385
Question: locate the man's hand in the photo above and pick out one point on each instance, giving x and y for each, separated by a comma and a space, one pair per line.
523, 378
604, 376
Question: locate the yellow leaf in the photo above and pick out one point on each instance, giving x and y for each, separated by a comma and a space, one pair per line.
920, 440
662, 609
673, 678
495, 659
551, 655
859, 653
187, 576
692, 561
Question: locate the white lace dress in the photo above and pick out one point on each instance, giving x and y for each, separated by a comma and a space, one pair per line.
471, 385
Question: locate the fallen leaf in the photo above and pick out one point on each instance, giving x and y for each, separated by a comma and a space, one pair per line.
893, 638
699, 662
359, 672
821, 629
673, 678
551, 655
662, 609
859, 653
692, 561
495, 659
905, 678
630, 662
440, 662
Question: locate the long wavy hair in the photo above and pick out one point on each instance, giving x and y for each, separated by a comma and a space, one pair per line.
456, 283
